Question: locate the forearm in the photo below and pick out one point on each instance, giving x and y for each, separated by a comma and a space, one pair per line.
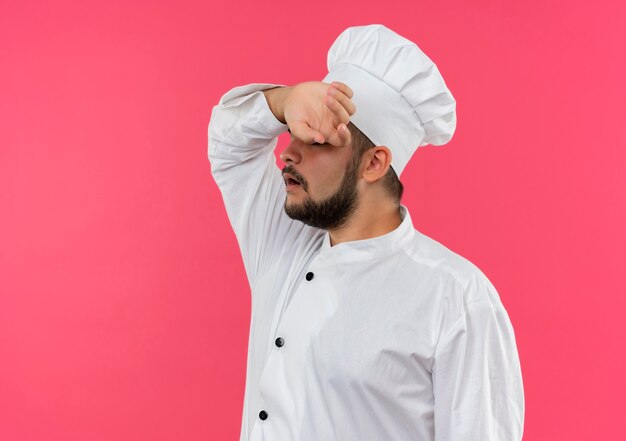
242, 136
241, 127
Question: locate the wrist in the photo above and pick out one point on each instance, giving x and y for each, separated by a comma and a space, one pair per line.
275, 98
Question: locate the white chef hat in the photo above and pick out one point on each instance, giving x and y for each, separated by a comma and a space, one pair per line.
401, 99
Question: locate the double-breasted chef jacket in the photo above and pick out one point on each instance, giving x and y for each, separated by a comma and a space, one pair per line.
394, 338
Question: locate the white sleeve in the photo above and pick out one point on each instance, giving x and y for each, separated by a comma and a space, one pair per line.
243, 133
477, 380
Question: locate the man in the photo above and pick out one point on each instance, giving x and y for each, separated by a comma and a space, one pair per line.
362, 328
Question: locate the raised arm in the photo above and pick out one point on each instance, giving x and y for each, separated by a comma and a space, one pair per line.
243, 133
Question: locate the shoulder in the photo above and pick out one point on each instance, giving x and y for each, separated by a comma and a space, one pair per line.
463, 283
427, 252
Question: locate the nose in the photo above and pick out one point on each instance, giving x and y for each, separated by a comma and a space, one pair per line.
292, 153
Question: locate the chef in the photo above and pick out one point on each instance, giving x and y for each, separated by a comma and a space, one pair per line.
362, 328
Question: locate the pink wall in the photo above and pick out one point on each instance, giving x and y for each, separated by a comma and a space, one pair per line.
123, 302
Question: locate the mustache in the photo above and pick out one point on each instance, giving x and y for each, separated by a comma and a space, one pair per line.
292, 171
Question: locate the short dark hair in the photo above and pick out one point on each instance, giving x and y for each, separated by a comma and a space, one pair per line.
361, 144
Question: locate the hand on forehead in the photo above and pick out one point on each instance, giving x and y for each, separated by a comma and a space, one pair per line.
318, 112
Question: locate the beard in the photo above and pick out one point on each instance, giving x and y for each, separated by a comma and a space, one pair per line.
332, 212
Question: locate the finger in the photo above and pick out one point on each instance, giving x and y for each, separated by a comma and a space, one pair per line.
340, 137
303, 131
343, 88
338, 110
343, 100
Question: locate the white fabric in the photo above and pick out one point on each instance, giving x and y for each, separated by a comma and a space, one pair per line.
401, 99
395, 338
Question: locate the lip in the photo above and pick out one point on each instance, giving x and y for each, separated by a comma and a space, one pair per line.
288, 178
291, 183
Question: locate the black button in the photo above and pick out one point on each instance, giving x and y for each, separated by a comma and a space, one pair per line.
309, 276
279, 342
263, 415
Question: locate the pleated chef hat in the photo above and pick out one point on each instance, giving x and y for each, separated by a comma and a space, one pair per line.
401, 99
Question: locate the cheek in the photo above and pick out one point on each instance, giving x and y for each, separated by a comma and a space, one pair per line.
329, 173
330, 179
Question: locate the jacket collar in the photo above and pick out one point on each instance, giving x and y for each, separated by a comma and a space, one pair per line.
366, 249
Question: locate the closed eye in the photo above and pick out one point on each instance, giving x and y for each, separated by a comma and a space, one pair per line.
313, 143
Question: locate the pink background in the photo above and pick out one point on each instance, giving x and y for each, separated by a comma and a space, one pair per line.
123, 302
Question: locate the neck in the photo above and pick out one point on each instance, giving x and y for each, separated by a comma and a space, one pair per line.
370, 219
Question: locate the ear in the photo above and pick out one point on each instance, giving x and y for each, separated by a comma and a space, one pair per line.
377, 161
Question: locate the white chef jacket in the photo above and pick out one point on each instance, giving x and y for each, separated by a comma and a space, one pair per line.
394, 338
